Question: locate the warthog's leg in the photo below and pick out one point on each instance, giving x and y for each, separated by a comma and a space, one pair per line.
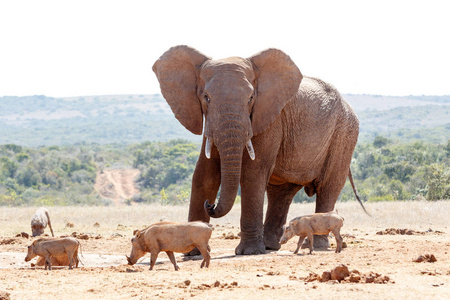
311, 242
206, 256
338, 237
75, 257
172, 259
153, 257
70, 257
299, 244
48, 263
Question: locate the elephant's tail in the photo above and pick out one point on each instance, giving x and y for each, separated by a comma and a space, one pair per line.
350, 177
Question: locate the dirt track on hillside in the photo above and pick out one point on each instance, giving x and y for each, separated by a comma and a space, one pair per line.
117, 184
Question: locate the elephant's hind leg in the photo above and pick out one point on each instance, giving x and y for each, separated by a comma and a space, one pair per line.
326, 197
279, 198
334, 174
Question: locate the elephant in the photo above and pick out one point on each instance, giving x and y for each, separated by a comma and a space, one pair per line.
266, 128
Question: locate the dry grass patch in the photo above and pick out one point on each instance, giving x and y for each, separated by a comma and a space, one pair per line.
94, 220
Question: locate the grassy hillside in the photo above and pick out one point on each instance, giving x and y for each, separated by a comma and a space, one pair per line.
125, 119
427, 123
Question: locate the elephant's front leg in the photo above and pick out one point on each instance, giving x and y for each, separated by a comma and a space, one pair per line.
252, 201
255, 176
279, 198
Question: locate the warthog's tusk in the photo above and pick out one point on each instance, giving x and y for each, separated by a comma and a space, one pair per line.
250, 149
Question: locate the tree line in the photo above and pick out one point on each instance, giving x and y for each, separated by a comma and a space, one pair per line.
383, 170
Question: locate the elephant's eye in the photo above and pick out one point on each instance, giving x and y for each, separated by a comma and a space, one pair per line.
207, 98
251, 99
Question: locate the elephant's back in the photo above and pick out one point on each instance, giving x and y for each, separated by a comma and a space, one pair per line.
317, 93
315, 119
322, 102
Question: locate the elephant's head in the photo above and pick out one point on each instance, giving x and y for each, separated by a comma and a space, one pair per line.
238, 97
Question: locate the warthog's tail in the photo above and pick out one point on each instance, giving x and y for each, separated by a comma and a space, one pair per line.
79, 259
350, 177
49, 223
81, 253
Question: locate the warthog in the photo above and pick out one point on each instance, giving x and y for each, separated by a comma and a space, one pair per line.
307, 226
57, 261
39, 221
54, 247
171, 237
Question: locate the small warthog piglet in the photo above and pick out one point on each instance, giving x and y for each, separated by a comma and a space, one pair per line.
307, 226
171, 237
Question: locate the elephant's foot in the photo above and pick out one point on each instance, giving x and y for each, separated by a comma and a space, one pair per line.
250, 247
272, 243
321, 242
193, 252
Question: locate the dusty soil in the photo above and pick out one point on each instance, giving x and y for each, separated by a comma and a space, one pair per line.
372, 266
117, 184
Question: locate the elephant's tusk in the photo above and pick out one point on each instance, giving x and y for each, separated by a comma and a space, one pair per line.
208, 148
250, 149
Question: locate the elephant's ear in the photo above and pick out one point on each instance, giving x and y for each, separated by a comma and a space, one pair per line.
278, 80
176, 70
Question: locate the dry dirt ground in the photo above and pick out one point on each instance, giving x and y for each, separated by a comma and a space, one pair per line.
382, 265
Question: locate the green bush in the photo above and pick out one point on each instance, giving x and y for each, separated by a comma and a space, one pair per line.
438, 182
401, 171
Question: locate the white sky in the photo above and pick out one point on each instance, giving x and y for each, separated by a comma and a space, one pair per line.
77, 48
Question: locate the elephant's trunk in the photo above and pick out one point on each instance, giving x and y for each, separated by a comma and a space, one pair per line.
230, 152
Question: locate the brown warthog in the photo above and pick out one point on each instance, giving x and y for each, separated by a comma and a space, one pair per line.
171, 237
54, 247
57, 261
39, 221
318, 223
